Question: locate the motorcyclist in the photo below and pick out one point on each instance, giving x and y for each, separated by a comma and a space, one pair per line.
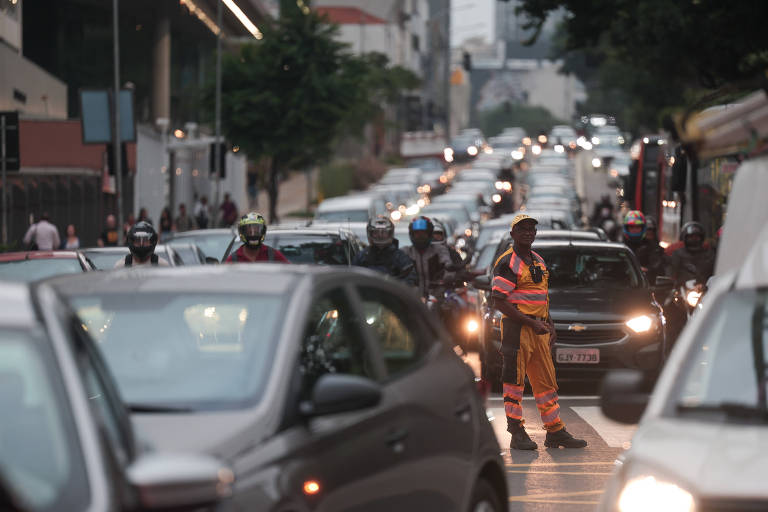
252, 229
647, 249
694, 261
433, 261
458, 264
141, 240
383, 253
604, 217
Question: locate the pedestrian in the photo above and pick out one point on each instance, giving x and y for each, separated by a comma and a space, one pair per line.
165, 224
521, 293
252, 229
184, 222
42, 236
128, 224
202, 213
72, 241
228, 211
108, 237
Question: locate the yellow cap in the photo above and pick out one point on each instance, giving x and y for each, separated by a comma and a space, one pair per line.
520, 218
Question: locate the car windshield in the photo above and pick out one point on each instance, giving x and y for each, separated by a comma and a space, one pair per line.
587, 267
213, 245
314, 249
106, 260
342, 216
192, 351
485, 258
463, 141
726, 366
489, 232
39, 268
40, 456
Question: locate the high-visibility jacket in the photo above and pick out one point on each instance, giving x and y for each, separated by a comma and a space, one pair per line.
513, 283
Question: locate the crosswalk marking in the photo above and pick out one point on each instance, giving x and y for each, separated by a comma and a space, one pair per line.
615, 435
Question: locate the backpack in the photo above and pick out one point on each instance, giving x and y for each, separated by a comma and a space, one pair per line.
153, 260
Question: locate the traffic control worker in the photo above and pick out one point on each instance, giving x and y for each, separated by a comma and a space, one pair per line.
521, 293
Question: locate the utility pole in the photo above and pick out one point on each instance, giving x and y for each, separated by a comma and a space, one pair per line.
117, 153
217, 129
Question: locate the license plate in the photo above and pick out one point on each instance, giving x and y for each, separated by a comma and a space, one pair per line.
578, 355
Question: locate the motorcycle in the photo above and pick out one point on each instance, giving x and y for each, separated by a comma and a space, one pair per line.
456, 312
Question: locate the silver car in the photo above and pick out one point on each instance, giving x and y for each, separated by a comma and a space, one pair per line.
67, 441
323, 388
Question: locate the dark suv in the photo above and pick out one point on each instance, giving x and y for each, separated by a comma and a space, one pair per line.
604, 311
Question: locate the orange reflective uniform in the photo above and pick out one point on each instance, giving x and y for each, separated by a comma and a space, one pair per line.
524, 351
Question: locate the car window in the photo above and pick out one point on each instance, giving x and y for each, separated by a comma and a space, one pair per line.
332, 342
40, 454
343, 216
723, 370
394, 329
589, 268
41, 268
314, 249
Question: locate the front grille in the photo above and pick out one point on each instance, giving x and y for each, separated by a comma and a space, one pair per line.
589, 336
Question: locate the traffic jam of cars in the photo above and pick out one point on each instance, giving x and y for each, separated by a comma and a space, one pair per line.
363, 362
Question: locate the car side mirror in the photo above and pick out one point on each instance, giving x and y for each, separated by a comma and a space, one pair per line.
210, 260
179, 481
624, 395
482, 283
336, 393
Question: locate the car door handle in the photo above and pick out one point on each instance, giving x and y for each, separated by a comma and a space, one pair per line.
396, 436
464, 412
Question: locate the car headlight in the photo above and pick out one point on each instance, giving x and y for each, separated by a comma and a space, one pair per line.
647, 493
472, 150
496, 198
640, 323
692, 298
596, 162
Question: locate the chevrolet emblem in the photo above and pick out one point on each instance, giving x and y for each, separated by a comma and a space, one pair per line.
577, 327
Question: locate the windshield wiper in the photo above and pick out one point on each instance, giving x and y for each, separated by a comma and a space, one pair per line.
731, 409
157, 408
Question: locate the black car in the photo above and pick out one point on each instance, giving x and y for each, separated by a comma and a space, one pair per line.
604, 311
310, 245
322, 387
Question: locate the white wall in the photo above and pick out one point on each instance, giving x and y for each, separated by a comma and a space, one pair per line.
46, 96
558, 93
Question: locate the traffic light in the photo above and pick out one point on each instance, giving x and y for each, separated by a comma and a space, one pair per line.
467, 61
222, 159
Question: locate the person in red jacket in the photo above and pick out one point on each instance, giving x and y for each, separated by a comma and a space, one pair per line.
253, 228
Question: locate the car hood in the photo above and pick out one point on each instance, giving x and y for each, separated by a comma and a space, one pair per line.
222, 434
711, 459
598, 305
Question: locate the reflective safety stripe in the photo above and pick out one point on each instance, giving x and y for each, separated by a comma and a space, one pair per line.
545, 396
527, 297
503, 285
551, 416
512, 391
513, 410
515, 263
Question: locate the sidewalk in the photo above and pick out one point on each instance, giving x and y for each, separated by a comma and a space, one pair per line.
291, 197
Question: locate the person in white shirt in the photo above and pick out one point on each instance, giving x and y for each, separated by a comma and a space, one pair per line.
43, 234
141, 240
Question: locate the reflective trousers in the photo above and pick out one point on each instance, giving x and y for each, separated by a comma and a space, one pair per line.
534, 359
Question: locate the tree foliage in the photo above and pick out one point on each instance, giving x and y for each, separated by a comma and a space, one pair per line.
533, 119
286, 98
647, 56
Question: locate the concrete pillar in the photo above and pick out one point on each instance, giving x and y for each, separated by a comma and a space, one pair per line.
161, 57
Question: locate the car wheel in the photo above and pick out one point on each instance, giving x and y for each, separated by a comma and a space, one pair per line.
484, 498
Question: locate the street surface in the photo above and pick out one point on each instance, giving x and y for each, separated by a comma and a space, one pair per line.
544, 479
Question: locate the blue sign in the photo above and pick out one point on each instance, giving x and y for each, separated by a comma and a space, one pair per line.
96, 115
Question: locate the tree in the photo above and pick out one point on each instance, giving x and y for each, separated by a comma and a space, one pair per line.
657, 53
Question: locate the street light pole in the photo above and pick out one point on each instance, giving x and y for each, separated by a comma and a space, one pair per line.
117, 153
217, 134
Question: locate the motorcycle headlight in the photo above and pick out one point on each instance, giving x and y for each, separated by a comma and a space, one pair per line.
471, 326
640, 323
692, 298
647, 493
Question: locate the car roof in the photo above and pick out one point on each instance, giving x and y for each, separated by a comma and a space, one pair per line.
38, 255
16, 309
345, 202
198, 232
318, 229
584, 244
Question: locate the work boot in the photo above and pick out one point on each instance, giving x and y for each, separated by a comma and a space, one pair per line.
563, 438
521, 440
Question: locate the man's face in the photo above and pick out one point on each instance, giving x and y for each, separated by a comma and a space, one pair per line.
437, 236
524, 232
635, 229
420, 237
111, 222
182, 210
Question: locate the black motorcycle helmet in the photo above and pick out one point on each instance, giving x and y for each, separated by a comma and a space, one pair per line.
692, 235
381, 231
421, 224
142, 239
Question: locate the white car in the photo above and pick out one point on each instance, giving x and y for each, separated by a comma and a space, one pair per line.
352, 208
703, 438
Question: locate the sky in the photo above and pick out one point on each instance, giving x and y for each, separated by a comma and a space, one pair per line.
472, 18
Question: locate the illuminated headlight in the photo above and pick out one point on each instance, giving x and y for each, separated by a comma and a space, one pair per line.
471, 326
693, 298
443, 177
527, 141
640, 323
536, 149
488, 150
427, 188
396, 215
472, 150
517, 155
596, 162
587, 145
448, 154
647, 493
412, 210
496, 198
542, 139
422, 203
596, 141
467, 232
559, 148
506, 186
498, 185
